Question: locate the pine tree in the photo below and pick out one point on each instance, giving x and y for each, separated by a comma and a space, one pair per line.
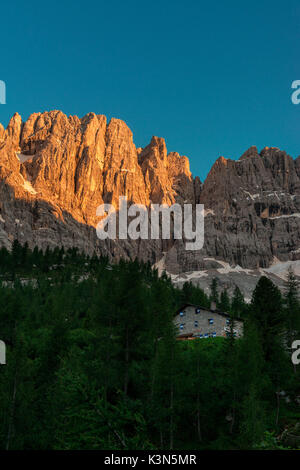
238, 304
224, 304
267, 313
253, 419
252, 380
214, 296
16, 254
193, 294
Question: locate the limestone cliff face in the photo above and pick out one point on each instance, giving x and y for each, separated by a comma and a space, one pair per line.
252, 209
79, 163
70, 166
56, 170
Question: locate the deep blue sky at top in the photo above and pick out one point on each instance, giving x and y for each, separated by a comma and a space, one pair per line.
212, 78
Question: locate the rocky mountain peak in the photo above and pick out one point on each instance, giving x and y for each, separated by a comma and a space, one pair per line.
56, 170
250, 153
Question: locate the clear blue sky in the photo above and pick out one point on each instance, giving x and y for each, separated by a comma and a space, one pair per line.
213, 78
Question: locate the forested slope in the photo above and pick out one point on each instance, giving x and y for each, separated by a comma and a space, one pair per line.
93, 361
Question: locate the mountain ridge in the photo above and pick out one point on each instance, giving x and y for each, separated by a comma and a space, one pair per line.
56, 170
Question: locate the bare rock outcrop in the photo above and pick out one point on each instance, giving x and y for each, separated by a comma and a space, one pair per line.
252, 208
56, 170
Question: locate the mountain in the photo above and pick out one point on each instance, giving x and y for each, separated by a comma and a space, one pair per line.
56, 170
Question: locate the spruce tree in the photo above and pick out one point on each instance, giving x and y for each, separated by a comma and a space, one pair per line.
252, 380
267, 313
238, 304
224, 304
214, 296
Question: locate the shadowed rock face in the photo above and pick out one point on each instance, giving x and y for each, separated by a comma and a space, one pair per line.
56, 170
253, 207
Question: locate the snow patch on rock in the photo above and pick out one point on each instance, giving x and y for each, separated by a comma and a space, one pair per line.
280, 268
227, 268
208, 212
160, 265
297, 214
188, 276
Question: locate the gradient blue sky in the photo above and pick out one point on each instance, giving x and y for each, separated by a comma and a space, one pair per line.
213, 78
